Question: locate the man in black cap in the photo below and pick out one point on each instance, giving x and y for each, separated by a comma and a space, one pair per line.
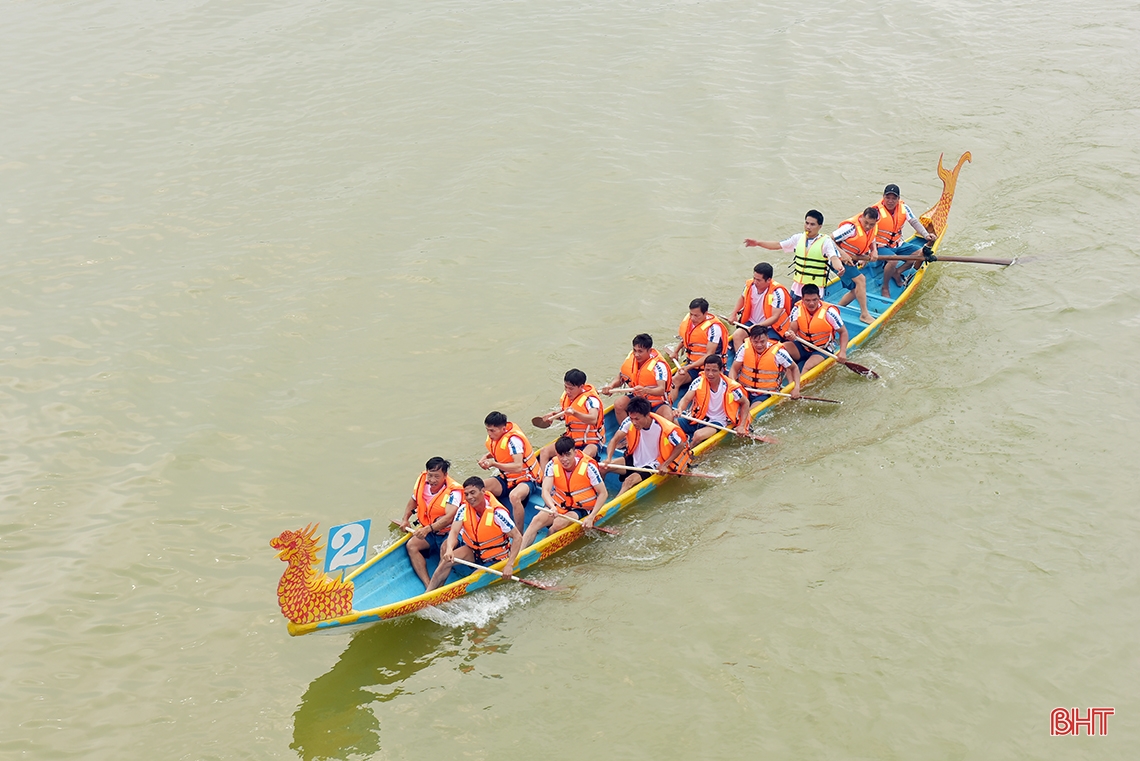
893, 214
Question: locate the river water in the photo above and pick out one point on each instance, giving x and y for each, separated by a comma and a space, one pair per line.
261, 261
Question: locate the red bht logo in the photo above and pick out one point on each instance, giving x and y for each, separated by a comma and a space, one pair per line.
1068, 721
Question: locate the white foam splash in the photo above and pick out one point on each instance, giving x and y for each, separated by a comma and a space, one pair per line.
984, 245
476, 609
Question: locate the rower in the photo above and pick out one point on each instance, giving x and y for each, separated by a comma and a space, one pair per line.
812, 253
648, 376
855, 238
581, 408
764, 302
893, 214
819, 323
765, 366
572, 486
714, 398
650, 441
482, 532
509, 450
435, 499
702, 336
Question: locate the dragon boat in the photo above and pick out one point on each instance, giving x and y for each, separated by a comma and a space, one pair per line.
386, 587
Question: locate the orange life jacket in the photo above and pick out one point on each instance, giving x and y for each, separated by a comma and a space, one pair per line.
780, 325
582, 432
483, 535
760, 371
664, 446
428, 512
702, 395
859, 242
815, 328
889, 227
573, 489
500, 450
642, 375
695, 338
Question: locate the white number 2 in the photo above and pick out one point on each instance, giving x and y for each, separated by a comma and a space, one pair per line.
350, 543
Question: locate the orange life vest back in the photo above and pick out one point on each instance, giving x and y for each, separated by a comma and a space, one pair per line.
573, 489
500, 450
695, 337
702, 395
814, 327
889, 227
582, 432
490, 543
427, 512
859, 242
664, 446
760, 371
643, 375
780, 325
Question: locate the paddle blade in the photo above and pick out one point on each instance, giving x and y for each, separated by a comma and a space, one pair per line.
866, 372
607, 530
763, 439
540, 422
540, 585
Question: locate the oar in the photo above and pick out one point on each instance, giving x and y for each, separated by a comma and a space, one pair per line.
749, 434
542, 422
570, 517
654, 470
854, 367
932, 258
800, 398
528, 582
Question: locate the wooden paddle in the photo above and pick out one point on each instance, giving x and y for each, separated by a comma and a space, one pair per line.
854, 367
800, 398
571, 518
753, 436
542, 422
528, 582
654, 470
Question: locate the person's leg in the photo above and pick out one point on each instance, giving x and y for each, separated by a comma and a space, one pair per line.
702, 433
544, 456
680, 379
541, 521
631, 480
496, 485
519, 496
739, 336
444, 569
417, 548
620, 405
812, 361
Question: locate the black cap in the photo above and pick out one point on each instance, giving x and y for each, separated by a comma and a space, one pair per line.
892, 188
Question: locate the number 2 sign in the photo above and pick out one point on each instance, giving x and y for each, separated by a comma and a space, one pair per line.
348, 544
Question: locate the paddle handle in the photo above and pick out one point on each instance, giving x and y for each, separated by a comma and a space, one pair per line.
656, 473
801, 397
478, 567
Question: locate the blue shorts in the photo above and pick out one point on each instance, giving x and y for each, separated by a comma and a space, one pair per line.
507, 490
653, 406
435, 541
848, 279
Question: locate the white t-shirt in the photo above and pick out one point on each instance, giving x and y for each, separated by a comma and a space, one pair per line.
648, 452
